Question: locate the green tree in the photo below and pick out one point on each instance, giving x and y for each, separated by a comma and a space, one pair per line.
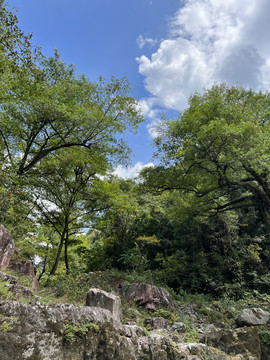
215, 169
60, 109
66, 194
123, 232
217, 152
59, 132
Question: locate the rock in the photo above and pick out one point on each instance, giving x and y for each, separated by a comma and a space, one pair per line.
68, 332
245, 341
133, 312
149, 296
6, 277
156, 323
6, 247
179, 327
25, 268
17, 289
252, 317
105, 300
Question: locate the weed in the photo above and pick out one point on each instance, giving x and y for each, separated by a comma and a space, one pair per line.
9, 323
265, 337
166, 314
4, 290
191, 336
72, 330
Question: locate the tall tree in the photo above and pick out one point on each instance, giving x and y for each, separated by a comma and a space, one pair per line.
217, 152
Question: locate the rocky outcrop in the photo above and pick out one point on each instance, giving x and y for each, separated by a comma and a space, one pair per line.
245, 341
252, 317
148, 296
6, 247
105, 300
24, 268
15, 288
68, 332
156, 323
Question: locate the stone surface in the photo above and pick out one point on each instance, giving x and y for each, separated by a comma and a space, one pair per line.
252, 317
24, 268
39, 332
245, 341
179, 327
156, 323
148, 296
6, 247
105, 300
17, 289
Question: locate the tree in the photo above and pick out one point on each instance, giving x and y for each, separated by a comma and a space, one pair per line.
62, 110
215, 167
217, 152
66, 194
46, 106
124, 227
59, 131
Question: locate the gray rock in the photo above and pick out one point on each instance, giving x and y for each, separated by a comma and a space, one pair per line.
179, 327
252, 317
156, 323
244, 340
6, 247
17, 289
39, 332
105, 300
148, 296
133, 312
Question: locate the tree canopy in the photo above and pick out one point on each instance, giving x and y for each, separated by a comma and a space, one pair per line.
218, 150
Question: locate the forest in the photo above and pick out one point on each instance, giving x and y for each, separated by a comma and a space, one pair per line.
197, 222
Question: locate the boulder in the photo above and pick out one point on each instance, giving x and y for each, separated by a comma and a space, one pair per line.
245, 341
148, 296
252, 317
6, 247
105, 300
156, 323
24, 268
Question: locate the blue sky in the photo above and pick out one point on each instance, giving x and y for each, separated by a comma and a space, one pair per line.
167, 48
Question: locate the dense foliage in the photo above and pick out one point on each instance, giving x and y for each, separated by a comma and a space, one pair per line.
198, 221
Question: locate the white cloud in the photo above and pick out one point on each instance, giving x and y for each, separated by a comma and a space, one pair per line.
130, 172
209, 41
143, 41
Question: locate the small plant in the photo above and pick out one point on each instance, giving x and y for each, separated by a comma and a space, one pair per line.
9, 323
265, 335
236, 339
4, 289
191, 336
166, 314
72, 330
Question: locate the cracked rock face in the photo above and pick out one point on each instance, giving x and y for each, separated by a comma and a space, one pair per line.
68, 332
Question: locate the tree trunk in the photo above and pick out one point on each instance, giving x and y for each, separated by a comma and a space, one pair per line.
66, 253
60, 247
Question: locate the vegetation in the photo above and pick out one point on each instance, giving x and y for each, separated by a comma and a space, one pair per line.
199, 222
72, 330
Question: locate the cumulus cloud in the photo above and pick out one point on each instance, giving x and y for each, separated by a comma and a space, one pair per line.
209, 41
143, 41
130, 172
